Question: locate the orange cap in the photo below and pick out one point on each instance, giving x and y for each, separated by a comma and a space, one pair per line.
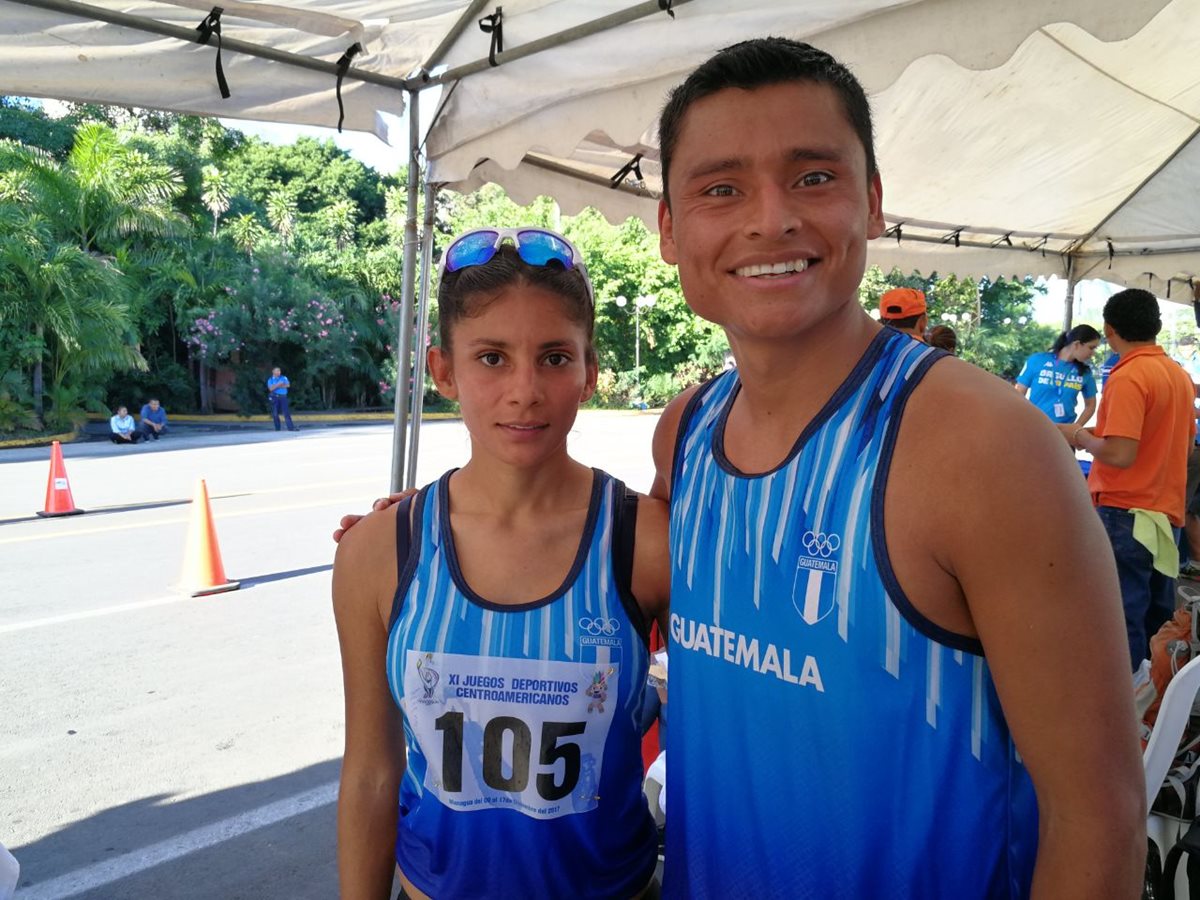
900, 303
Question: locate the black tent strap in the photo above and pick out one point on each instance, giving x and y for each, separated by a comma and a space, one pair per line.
955, 235
896, 231
1041, 245
1003, 239
210, 26
634, 166
343, 65
665, 6
494, 25
1110, 253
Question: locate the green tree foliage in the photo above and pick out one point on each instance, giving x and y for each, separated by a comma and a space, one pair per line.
272, 314
140, 252
24, 124
63, 305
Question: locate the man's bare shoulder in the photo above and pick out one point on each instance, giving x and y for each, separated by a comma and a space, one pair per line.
982, 410
968, 431
665, 434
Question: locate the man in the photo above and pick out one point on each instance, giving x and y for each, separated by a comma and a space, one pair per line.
154, 420
277, 394
837, 730
904, 309
1140, 445
123, 428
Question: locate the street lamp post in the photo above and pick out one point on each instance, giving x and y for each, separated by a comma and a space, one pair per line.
645, 300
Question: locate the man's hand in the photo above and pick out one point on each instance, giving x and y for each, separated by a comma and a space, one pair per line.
349, 521
1071, 431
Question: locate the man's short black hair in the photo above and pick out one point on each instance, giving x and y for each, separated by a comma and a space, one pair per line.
908, 322
1133, 315
759, 63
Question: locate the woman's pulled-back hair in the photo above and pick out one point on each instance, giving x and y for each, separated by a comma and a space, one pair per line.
1085, 334
469, 291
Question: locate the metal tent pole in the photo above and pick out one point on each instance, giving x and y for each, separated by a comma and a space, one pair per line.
192, 36
1069, 301
422, 326
404, 348
566, 36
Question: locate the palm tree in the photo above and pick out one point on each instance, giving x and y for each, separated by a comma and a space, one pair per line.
246, 232
339, 218
281, 213
103, 193
69, 300
214, 194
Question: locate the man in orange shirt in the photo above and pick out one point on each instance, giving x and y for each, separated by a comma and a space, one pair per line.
1140, 444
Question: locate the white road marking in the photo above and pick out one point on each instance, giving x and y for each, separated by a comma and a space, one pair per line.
91, 613
236, 514
99, 874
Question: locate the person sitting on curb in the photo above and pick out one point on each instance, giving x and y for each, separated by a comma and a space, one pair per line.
154, 420
124, 429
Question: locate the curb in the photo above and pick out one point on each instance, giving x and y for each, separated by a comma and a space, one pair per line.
40, 441
263, 418
315, 418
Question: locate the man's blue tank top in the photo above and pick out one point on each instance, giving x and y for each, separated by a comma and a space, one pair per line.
524, 764
828, 741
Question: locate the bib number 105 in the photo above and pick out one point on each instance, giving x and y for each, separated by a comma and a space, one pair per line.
553, 747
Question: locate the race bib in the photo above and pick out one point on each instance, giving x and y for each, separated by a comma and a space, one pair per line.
1059, 410
502, 733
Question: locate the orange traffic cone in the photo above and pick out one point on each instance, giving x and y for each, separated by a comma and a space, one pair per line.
59, 501
203, 572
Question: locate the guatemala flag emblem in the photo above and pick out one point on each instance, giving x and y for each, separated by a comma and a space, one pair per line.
816, 576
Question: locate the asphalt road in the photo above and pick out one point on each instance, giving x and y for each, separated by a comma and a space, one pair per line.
153, 745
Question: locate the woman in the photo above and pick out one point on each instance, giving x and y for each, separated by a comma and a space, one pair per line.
122, 427
493, 627
1055, 380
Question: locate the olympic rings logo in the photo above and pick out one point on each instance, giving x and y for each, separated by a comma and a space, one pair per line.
600, 625
819, 543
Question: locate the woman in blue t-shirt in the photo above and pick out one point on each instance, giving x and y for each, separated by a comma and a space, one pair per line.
1055, 379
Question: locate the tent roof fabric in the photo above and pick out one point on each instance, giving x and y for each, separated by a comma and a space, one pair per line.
1018, 138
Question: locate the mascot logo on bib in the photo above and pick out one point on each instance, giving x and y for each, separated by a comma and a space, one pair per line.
429, 676
597, 691
816, 576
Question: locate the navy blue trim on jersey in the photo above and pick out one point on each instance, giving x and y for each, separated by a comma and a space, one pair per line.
681, 430
460, 581
403, 536
625, 513
851, 384
883, 560
408, 552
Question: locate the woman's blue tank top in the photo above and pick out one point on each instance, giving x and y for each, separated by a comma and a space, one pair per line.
827, 740
524, 765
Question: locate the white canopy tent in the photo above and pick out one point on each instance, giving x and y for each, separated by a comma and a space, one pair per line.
1021, 138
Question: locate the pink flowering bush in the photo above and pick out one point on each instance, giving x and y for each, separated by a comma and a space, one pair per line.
327, 338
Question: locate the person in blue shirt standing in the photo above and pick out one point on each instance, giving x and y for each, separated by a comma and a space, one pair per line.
1106, 367
277, 393
1054, 380
154, 420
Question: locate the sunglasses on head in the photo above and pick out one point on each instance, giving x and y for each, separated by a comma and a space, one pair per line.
535, 246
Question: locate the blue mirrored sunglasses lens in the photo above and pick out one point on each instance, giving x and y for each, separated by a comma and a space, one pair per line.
471, 250
540, 247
